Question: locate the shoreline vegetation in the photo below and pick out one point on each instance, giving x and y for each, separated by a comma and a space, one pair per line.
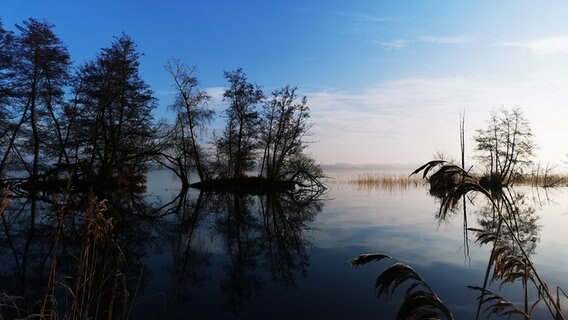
388, 180
505, 149
248, 185
509, 260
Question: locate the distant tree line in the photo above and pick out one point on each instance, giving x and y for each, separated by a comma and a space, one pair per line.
94, 123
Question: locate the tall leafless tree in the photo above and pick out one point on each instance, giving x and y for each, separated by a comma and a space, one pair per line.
192, 115
238, 144
506, 146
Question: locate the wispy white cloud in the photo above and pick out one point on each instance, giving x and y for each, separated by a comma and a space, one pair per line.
401, 43
408, 120
548, 45
362, 17
358, 23
394, 44
216, 93
443, 39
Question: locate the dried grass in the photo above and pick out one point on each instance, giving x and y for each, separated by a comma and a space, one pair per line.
509, 264
420, 301
98, 289
375, 182
4, 201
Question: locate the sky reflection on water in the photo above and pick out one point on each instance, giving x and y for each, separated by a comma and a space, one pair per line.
249, 257
353, 221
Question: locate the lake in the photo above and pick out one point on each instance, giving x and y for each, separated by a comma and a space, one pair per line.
399, 221
259, 256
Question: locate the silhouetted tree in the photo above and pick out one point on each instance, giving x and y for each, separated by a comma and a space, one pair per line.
113, 129
284, 128
237, 146
40, 68
6, 75
183, 150
506, 146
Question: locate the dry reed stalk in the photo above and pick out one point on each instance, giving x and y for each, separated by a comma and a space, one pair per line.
420, 301
4, 201
93, 278
97, 285
465, 185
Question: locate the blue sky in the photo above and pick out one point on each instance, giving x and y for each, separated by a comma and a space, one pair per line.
386, 80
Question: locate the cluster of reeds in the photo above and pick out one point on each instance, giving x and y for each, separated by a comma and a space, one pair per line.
97, 290
376, 181
420, 301
508, 261
545, 177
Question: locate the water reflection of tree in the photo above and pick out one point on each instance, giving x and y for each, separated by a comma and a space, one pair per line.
24, 257
189, 257
514, 206
45, 239
265, 233
519, 211
263, 236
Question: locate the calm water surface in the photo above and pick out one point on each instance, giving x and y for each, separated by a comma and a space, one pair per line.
222, 256
305, 275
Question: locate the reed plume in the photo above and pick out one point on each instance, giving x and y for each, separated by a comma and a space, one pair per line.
420, 301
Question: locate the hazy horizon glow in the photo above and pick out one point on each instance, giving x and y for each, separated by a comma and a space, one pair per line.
386, 81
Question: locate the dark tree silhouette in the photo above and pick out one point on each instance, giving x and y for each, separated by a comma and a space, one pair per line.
237, 146
40, 68
506, 147
114, 135
284, 128
6, 75
182, 150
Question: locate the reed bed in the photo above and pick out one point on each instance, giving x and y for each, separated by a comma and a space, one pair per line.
401, 182
545, 180
509, 260
97, 290
376, 182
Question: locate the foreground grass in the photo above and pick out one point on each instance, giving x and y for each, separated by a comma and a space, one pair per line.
509, 261
96, 290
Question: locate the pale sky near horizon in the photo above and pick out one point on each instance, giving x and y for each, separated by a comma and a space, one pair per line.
385, 80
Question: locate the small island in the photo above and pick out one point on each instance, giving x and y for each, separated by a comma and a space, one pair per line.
249, 185
262, 134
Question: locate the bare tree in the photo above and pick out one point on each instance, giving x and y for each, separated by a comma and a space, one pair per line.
237, 146
285, 125
192, 114
40, 70
506, 146
6, 92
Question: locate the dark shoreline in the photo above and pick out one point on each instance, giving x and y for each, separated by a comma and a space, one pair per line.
252, 185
